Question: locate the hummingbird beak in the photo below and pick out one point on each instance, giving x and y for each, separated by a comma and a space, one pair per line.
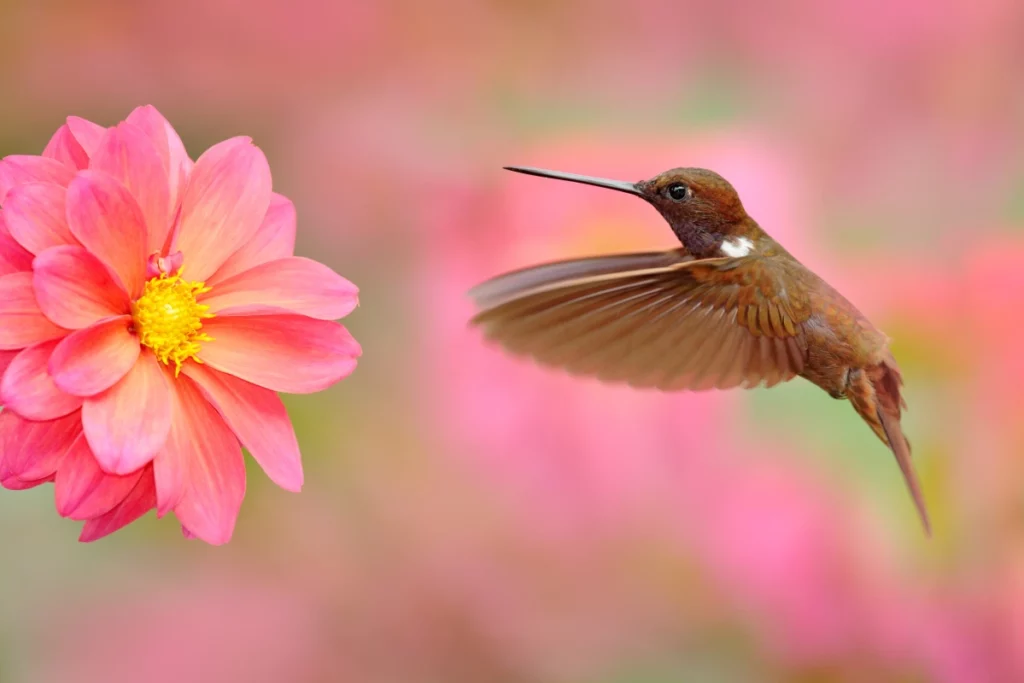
619, 185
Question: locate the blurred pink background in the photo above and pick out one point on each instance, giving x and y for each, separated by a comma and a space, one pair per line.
472, 518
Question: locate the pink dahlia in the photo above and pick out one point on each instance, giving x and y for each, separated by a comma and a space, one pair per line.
150, 309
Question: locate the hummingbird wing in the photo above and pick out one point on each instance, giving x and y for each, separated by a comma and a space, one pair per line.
657, 319
516, 284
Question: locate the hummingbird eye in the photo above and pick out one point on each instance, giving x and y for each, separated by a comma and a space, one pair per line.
677, 192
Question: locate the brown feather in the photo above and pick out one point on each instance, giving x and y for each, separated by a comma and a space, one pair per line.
515, 284
650, 320
875, 394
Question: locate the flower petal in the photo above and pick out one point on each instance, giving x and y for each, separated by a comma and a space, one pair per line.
127, 424
223, 205
28, 390
259, 420
92, 360
74, 290
66, 149
137, 503
14, 258
23, 168
107, 220
275, 239
296, 284
128, 154
87, 133
35, 216
172, 464
12, 483
216, 478
169, 146
82, 490
6, 358
290, 353
21, 322
33, 450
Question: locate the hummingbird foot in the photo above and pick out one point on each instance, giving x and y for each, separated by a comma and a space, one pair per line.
840, 392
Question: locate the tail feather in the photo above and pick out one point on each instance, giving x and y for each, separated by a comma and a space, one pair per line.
875, 394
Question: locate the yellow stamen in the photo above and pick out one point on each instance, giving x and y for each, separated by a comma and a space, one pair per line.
168, 319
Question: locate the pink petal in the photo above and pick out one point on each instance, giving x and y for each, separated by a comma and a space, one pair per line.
87, 133
66, 149
35, 216
74, 289
172, 464
127, 153
296, 284
259, 420
22, 168
140, 501
12, 483
33, 450
107, 220
223, 205
169, 146
6, 357
27, 389
128, 424
82, 490
92, 360
21, 322
14, 258
275, 239
290, 353
216, 479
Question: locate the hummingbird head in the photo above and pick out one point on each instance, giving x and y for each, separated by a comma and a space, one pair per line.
702, 208
693, 195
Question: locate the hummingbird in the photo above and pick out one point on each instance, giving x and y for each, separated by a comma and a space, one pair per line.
730, 308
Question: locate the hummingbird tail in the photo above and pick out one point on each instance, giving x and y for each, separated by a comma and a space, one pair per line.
875, 394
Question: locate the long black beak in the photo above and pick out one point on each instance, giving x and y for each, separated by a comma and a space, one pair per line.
619, 185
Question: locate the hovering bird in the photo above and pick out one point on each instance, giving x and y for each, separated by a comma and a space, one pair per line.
731, 308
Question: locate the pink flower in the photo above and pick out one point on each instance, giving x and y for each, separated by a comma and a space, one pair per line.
150, 308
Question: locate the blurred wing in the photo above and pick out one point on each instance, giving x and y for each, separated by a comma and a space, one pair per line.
535, 279
660, 320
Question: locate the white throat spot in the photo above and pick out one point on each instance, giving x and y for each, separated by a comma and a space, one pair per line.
737, 247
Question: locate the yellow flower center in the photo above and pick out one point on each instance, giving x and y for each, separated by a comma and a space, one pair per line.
168, 319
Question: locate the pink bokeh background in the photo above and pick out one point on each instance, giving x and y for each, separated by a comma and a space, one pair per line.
469, 517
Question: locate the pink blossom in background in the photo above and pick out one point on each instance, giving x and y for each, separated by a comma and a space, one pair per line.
203, 51
215, 629
150, 309
758, 557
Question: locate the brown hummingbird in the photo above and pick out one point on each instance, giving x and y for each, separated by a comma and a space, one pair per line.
731, 308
